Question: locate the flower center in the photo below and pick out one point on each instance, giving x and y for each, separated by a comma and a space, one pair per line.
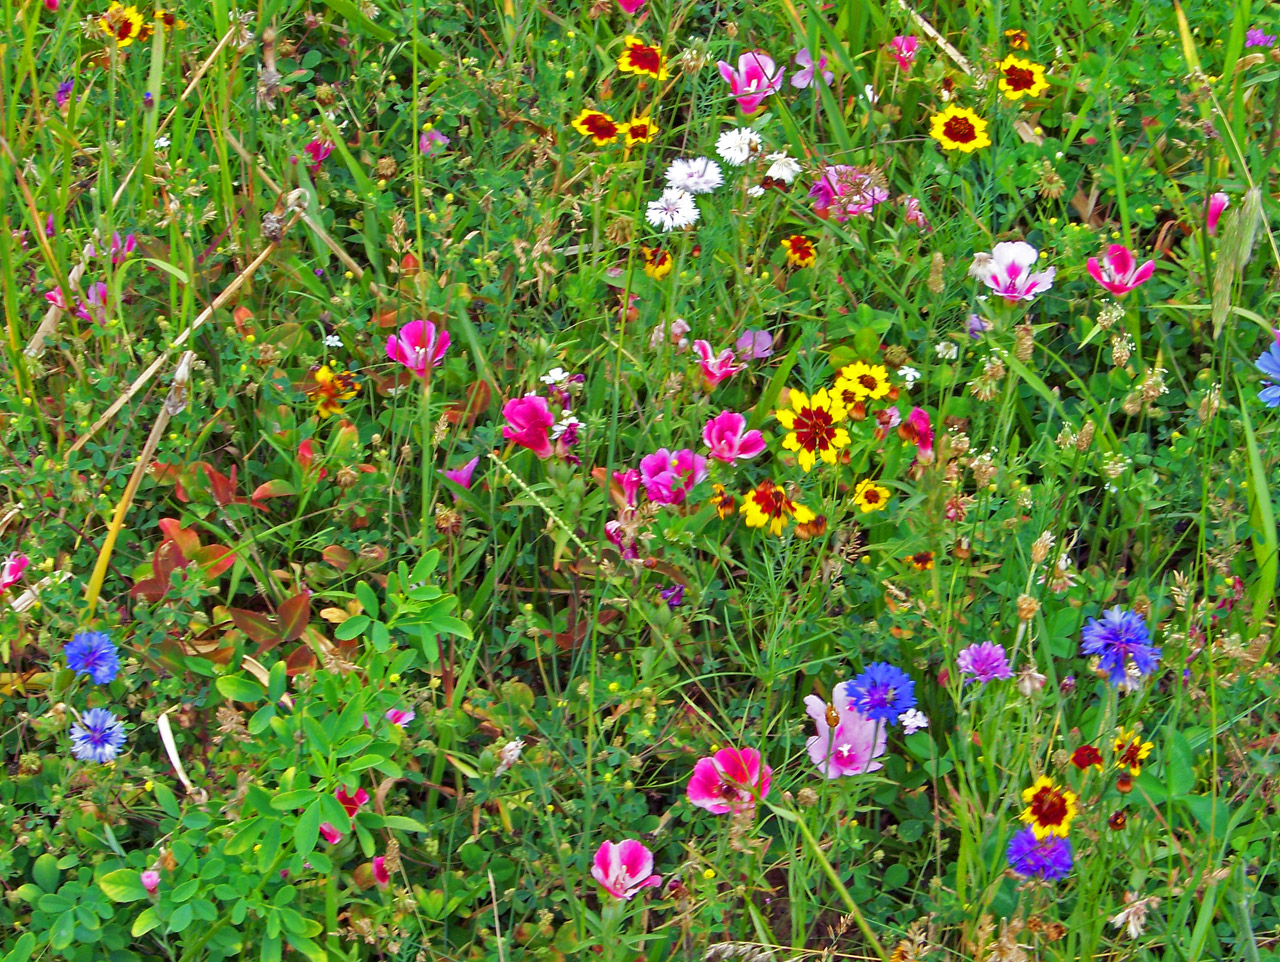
1019, 78
1048, 807
882, 696
814, 429
960, 130
772, 501
599, 126
645, 59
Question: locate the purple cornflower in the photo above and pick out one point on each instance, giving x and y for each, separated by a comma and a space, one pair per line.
1256, 38
1269, 364
1119, 637
63, 93
985, 662
882, 692
673, 596
94, 654
98, 737
1048, 858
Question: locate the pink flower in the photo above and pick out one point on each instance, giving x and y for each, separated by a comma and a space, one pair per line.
904, 50
1121, 273
629, 481
727, 437
631, 6
852, 192
418, 346
624, 868
914, 215
757, 76
94, 308
614, 531
1007, 272
431, 141
716, 367
400, 716
804, 78
1217, 204
319, 150
11, 569
528, 421
918, 430
462, 476
675, 332
380, 873
330, 833
733, 779
351, 802
150, 881
852, 746
668, 475
753, 345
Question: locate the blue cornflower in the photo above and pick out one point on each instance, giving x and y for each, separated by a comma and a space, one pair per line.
882, 692
93, 653
1269, 364
1119, 637
98, 738
1048, 858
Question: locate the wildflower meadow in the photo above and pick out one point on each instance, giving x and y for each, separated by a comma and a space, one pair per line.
640, 480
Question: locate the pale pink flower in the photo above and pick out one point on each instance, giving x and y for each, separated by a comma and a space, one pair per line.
528, 421
668, 475
1121, 273
800, 79
1217, 204
729, 440
852, 747
400, 716
675, 332
914, 215
330, 833
150, 881
380, 874
624, 868
418, 346
462, 476
757, 76
12, 568
716, 367
753, 345
432, 141
904, 50
733, 779
1008, 272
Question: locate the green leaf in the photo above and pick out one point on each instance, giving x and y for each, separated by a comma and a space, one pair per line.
166, 799
146, 921
261, 719
277, 681
368, 600
123, 885
45, 872
288, 801
1179, 766
63, 932
403, 822
308, 829
22, 949
353, 627
240, 688
769, 399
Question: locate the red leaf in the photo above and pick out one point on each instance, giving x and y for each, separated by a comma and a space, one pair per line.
294, 615
275, 488
338, 556
214, 559
184, 539
300, 659
261, 628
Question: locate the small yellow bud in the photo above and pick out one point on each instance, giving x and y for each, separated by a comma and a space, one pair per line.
708, 874
569, 75
249, 338
393, 677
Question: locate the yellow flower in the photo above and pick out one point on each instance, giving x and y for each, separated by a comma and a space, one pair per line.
958, 128
599, 126
331, 389
657, 262
123, 24
1131, 751
1050, 808
768, 504
813, 427
870, 496
639, 57
638, 130
1021, 78
724, 503
1017, 39
801, 251
862, 381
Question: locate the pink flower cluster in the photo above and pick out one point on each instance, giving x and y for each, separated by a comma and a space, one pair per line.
846, 191
758, 75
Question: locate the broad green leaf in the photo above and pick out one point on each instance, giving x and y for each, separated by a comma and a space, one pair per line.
240, 688
123, 885
45, 872
146, 921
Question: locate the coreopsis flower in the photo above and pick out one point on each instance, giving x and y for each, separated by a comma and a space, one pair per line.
1047, 858
400, 716
755, 78
724, 503
657, 262
958, 128
529, 419
93, 653
668, 476
847, 742
673, 210
1269, 364
861, 381
1086, 757
782, 167
1050, 808
596, 124
123, 24
1120, 638
419, 346
869, 496
735, 146
801, 251
697, 175
731, 780
904, 49
1121, 272
643, 59
767, 503
1008, 272
1130, 752
883, 692
12, 568
813, 427
1021, 78
1017, 39
729, 440
623, 869
803, 78
752, 345
1218, 202
97, 737
330, 388
638, 130
984, 663
921, 560
716, 367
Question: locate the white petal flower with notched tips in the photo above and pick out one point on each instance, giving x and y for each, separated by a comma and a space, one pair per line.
332, 340
947, 350
555, 376
909, 374
701, 175
674, 210
913, 720
735, 146
755, 191
782, 166
508, 755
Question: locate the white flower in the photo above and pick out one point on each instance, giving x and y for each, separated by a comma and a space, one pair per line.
909, 374
755, 191
947, 350
674, 210
735, 146
332, 340
782, 166
870, 93
566, 422
508, 755
698, 176
161, 142
555, 376
679, 328
913, 720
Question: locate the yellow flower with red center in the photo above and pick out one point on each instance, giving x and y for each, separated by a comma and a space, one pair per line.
596, 124
813, 425
921, 560
123, 24
958, 128
861, 381
870, 496
801, 251
641, 58
724, 503
1017, 39
1050, 808
638, 130
1131, 751
657, 262
767, 503
170, 20
1021, 78
331, 389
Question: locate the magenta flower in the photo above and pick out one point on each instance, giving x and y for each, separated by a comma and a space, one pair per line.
615, 532
94, 307
11, 569
330, 833
985, 662
462, 476
631, 6
432, 141
150, 880
716, 367
914, 215
418, 346
528, 421
318, 151
852, 747
918, 430
729, 440
1008, 272
904, 50
400, 716
853, 193
1255, 37
803, 78
624, 868
757, 76
668, 475
351, 802
629, 481
380, 874
753, 345
1121, 272
1217, 204
733, 779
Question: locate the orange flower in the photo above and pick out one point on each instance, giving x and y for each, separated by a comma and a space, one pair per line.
639, 57
800, 250
331, 388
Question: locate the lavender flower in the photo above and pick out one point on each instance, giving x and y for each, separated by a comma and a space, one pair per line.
1121, 636
1256, 38
673, 596
882, 692
985, 662
1048, 858
98, 737
1269, 364
93, 653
